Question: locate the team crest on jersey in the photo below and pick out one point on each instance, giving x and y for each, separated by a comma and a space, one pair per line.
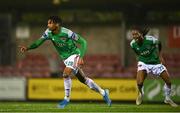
63, 38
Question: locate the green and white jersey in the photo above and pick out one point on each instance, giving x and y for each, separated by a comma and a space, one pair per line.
64, 42
148, 52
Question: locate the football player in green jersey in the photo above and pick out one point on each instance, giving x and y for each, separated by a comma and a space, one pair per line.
65, 42
150, 61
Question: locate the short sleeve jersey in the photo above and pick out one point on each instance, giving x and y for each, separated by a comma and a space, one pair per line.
148, 52
64, 42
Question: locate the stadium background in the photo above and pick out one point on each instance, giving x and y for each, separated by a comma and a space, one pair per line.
109, 60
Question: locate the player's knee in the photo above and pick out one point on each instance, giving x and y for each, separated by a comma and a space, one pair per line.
65, 75
67, 72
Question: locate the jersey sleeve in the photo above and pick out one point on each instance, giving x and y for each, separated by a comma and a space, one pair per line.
36, 44
46, 34
131, 43
77, 39
40, 41
153, 39
83, 44
70, 34
132, 46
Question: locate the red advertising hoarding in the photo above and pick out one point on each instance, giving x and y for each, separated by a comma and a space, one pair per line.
174, 37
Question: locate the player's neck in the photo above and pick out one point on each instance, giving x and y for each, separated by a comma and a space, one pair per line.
140, 43
56, 31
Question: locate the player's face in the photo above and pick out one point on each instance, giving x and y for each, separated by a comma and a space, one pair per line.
51, 25
137, 36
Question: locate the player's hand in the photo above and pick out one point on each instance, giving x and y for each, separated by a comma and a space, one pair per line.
80, 62
23, 49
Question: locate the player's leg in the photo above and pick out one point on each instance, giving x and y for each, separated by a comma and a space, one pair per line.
141, 75
67, 82
167, 88
67, 87
89, 82
92, 85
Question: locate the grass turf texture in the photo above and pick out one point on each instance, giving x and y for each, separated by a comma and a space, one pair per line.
84, 107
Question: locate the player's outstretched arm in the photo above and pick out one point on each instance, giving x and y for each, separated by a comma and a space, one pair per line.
34, 45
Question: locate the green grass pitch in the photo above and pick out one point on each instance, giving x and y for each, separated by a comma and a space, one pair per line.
84, 107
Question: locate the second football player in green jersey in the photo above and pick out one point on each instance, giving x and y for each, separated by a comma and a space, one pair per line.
150, 61
148, 51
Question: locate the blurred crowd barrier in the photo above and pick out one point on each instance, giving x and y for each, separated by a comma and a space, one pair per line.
37, 65
96, 66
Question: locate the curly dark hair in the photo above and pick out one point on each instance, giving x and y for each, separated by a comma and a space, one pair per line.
143, 30
55, 19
